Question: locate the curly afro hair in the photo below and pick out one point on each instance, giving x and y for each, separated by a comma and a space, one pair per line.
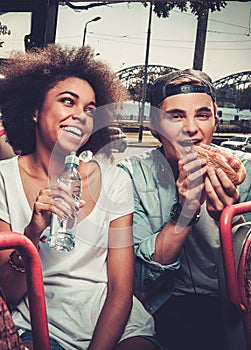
29, 76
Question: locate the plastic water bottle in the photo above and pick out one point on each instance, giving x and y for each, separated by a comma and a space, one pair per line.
62, 231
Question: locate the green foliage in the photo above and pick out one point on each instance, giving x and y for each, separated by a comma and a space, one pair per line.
4, 29
136, 85
163, 8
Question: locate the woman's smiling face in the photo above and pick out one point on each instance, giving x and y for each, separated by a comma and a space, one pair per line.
66, 117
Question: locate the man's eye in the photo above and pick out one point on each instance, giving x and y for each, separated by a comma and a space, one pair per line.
175, 117
203, 116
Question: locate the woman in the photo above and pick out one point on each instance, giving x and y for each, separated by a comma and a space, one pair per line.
49, 103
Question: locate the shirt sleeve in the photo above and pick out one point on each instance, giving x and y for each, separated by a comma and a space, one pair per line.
146, 227
245, 188
119, 193
4, 214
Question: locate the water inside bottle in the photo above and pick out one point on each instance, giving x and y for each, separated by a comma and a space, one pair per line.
62, 236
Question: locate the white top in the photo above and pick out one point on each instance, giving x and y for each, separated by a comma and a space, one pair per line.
75, 282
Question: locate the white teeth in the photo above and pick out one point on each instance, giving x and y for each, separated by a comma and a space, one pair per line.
73, 130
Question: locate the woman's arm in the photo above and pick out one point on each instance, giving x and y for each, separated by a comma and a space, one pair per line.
13, 282
120, 269
6, 150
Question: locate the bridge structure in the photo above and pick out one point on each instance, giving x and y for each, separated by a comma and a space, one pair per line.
129, 76
227, 88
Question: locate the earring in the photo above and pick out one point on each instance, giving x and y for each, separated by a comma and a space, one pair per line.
34, 118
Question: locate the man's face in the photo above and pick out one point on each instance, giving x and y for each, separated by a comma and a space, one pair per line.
187, 119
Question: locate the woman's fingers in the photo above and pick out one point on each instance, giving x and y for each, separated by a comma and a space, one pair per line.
57, 200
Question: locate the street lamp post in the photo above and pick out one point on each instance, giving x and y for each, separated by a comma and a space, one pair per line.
85, 30
142, 110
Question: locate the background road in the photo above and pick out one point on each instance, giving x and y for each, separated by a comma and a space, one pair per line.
134, 147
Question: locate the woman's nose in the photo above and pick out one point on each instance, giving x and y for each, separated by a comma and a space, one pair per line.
79, 115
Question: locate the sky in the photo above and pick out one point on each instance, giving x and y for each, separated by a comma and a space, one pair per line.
119, 37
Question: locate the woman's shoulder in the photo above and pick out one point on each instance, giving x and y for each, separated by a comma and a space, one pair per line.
112, 173
8, 164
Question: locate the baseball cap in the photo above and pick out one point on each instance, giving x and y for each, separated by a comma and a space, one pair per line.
162, 87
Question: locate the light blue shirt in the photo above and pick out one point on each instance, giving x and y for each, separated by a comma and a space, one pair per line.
196, 270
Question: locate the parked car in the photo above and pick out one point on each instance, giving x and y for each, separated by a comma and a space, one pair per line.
119, 139
247, 148
236, 142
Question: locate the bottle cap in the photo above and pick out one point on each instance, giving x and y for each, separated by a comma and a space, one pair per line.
72, 158
86, 156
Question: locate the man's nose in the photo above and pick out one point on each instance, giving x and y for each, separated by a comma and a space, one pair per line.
190, 126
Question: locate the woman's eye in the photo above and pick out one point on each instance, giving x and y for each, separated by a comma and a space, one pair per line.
68, 101
90, 111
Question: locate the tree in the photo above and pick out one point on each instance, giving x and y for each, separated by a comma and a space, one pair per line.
201, 10
3, 31
135, 85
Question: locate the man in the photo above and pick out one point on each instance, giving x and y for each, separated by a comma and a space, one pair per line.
178, 202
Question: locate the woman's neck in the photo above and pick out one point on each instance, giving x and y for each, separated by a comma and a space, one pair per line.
43, 164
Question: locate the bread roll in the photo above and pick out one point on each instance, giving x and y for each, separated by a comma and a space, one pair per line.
217, 158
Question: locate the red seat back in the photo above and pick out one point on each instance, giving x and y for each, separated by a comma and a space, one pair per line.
238, 273
35, 286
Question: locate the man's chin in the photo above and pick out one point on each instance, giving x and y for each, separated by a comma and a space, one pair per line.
184, 149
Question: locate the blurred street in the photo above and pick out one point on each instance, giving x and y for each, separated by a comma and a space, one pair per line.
135, 147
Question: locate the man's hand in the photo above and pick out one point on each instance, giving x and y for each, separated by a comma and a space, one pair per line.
220, 192
190, 183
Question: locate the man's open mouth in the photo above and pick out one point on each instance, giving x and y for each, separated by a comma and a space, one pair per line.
189, 143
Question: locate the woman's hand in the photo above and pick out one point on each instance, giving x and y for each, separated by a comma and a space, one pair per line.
190, 183
58, 200
220, 192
